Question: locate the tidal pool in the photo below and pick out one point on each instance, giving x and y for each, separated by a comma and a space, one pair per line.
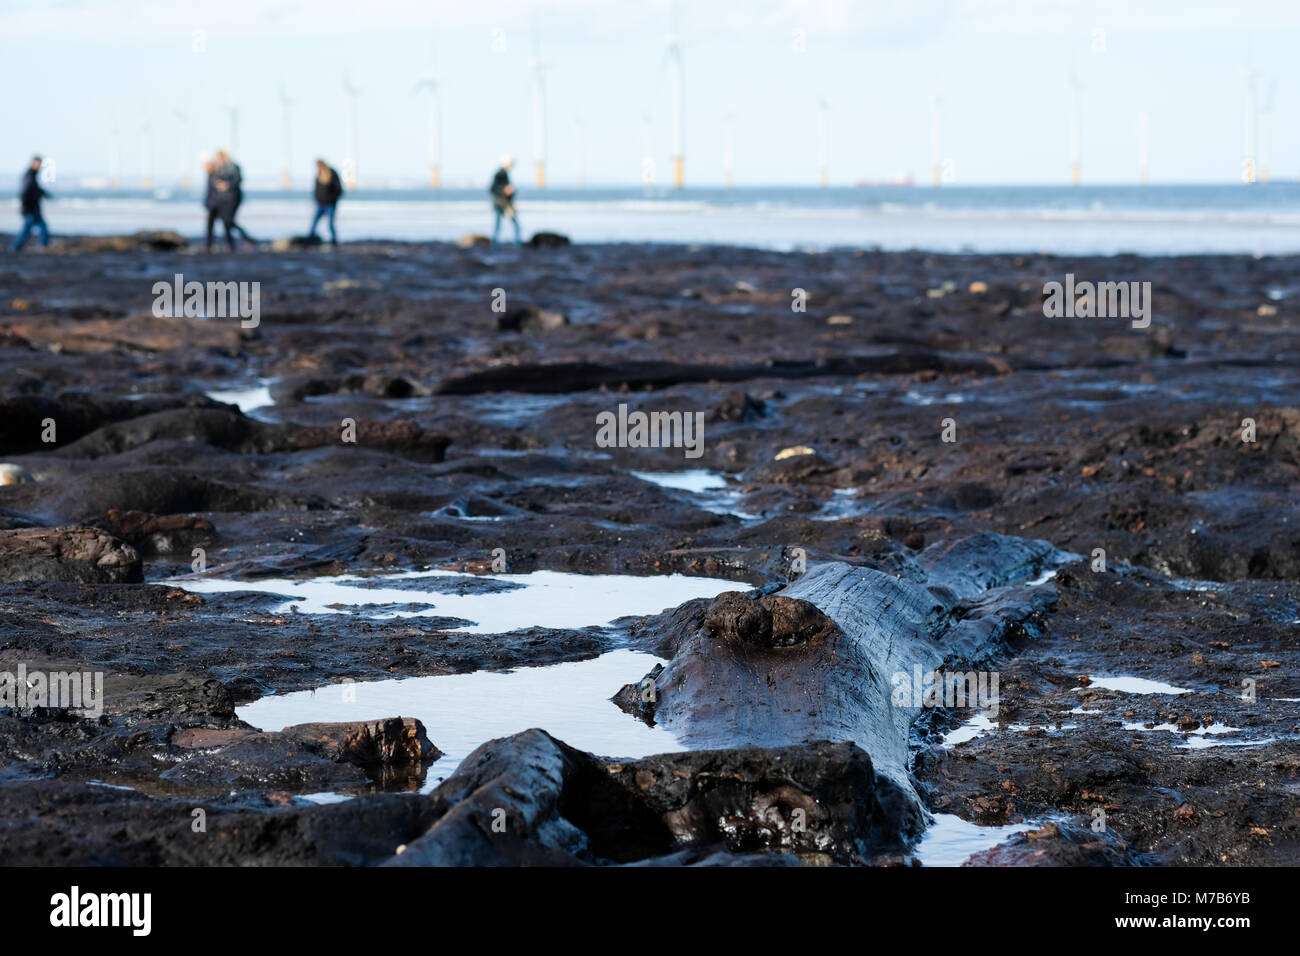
555, 599
570, 701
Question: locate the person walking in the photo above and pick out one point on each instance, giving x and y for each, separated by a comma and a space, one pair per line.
230, 193
503, 198
30, 196
214, 202
329, 190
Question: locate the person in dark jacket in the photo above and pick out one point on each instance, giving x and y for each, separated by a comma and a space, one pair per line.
329, 190
214, 202
30, 196
503, 198
228, 180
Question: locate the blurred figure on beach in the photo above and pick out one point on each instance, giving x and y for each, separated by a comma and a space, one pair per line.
503, 198
227, 179
329, 190
214, 202
30, 196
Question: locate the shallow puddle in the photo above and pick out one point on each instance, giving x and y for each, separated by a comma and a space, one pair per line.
716, 494
570, 701
951, 841
1135, 685
551, 599
245, 399
696, 480
977, 726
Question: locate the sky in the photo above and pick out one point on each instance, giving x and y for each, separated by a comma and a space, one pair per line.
75, 70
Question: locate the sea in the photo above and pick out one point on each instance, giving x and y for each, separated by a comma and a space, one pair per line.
1255, 219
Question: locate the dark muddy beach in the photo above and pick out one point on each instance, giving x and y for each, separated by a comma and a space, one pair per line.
367, 584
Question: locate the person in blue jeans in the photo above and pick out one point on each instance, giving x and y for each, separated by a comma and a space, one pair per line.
30, 196
329, 190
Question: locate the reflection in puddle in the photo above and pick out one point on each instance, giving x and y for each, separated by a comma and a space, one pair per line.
951, 841
1201, 738
717, 495
1136, 685
980, 725
570, 701
977, 726
245, 399
551, 599
696, 480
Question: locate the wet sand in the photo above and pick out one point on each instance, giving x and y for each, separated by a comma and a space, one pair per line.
476, 451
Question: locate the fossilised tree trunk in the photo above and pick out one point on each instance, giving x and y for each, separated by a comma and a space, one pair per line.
833, 656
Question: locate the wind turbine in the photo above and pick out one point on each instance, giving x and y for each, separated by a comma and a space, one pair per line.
539, 117
1144, 150
114, 157
579, 136
351, 91
186, 145
647, 151
146, 156
1266, 129
1250, 163
1072, 89
729, 150
286, 175
430, 83
232, 126
673, 57
936, 140
823, 168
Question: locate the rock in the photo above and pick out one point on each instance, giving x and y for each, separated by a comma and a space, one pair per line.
163, 491
159, 534
978, 288
400, 437
548, 240
227, 428
143, 332
531, 799
800, 465
151, 240
529, 319
15, 475
793, 451
822, 801
547, 378
740, 407
839, 320
1059, 844
473, 241
80, 554
394, 740
304, 757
